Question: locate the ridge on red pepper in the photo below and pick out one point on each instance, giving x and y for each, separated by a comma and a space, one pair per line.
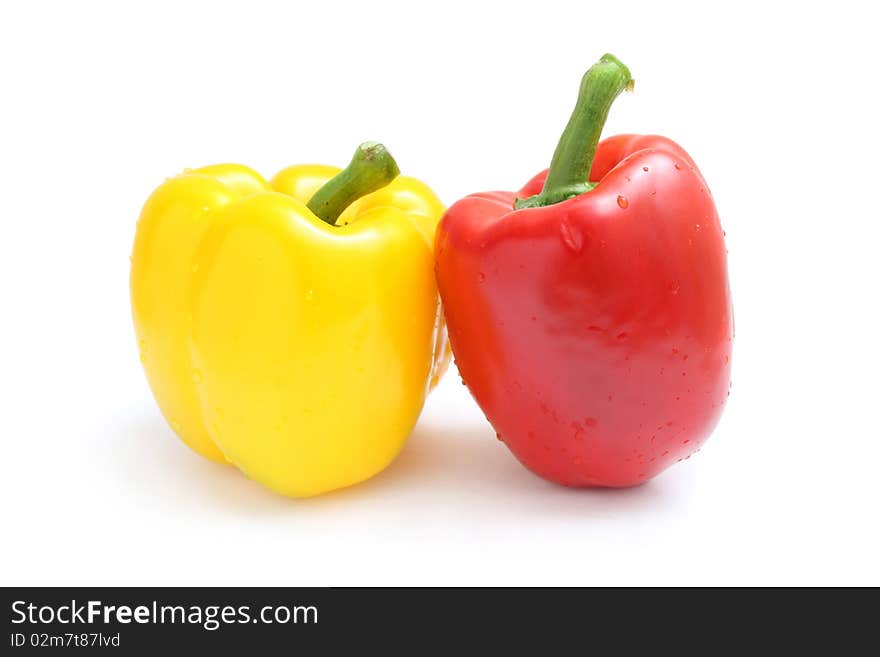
593, 325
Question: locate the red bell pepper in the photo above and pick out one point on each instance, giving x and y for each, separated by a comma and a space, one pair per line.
590, 314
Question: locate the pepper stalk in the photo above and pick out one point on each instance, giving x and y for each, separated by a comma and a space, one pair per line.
569, 173
371, 168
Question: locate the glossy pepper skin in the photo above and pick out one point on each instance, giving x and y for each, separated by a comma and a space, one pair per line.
297, 350
595, 333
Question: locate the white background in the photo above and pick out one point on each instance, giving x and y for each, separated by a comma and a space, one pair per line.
776, 102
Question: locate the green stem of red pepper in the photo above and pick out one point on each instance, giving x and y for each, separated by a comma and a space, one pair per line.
371, 168
569, 173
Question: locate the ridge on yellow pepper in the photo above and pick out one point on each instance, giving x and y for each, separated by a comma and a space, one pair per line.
298, 348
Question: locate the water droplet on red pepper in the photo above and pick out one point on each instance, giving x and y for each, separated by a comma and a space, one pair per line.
622, 202
571, 237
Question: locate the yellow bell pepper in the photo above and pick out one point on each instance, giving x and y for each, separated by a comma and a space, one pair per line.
291, 328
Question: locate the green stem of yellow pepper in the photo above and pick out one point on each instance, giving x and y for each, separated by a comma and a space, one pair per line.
371, 168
